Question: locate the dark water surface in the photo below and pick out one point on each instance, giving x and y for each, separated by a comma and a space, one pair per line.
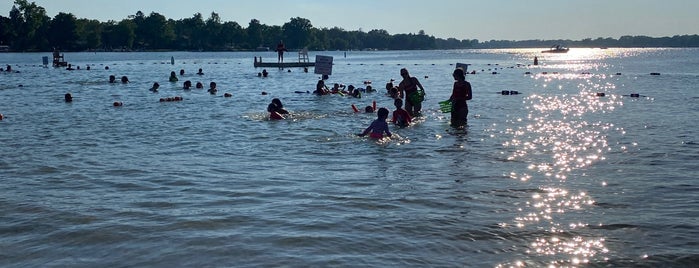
555, 176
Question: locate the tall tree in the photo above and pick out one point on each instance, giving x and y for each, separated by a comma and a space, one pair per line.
254, 33
89, 34
33, 25
297, 32
63, 31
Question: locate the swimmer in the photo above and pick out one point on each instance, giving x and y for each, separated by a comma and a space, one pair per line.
199, 85
378, 126
369, 109
187, 85
181, 72
264, 73
155, 87
276, 109
124, 80
173, 77
200, 72
401, 117
212, 88
321, 89
112, 79
68, 97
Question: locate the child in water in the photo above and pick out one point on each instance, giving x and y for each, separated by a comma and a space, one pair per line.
276, 109
401, 117
378, 126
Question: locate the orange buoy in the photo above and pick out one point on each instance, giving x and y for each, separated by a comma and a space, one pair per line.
373, 105
1, 116
354, 108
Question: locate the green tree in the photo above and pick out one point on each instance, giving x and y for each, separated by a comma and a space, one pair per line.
254, 31
31, 25
233, 35
296, 32
379, 39
213, 31
63, 31
159, 33
89, 34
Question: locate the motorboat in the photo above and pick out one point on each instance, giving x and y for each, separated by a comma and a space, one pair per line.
556, 49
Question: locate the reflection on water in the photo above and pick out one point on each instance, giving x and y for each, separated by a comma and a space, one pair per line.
557, 138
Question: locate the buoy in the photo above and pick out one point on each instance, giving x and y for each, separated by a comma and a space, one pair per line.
654, 73
600, 94
162, 99
118, 103
514, 92
265, 93
618, 73
354, 108
227, 95
635, 95
505, 92
528, 73
544, 73
373, 105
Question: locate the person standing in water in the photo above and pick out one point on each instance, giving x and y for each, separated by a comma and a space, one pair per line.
413, 97
378, 127
459, 95
280, 51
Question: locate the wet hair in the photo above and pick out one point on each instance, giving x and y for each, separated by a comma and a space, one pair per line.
124, 79
200, 85
398, 103
112, 78
382, 113
68, 97
156, 85
369, 109
212, 84
277, 102
459, 74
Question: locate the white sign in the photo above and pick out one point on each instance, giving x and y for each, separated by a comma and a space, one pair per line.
463, 66
324, 65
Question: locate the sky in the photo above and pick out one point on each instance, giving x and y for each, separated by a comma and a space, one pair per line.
461, 19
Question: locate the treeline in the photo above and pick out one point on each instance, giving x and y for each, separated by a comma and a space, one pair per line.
28, 28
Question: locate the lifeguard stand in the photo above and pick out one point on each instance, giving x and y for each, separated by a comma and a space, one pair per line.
58, 60
303, 55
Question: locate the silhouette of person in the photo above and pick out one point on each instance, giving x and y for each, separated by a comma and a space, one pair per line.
280, 51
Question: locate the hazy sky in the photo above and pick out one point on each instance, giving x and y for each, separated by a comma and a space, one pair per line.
462, 19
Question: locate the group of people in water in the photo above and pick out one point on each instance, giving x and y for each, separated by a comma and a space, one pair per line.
407, 97
409, 91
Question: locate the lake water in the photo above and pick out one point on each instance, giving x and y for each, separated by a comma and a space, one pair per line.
554, 176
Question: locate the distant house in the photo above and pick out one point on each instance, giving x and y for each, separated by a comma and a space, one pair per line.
4, 48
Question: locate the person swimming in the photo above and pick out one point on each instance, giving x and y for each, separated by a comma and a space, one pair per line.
276, 109
173, 77
212, 88
155, 87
